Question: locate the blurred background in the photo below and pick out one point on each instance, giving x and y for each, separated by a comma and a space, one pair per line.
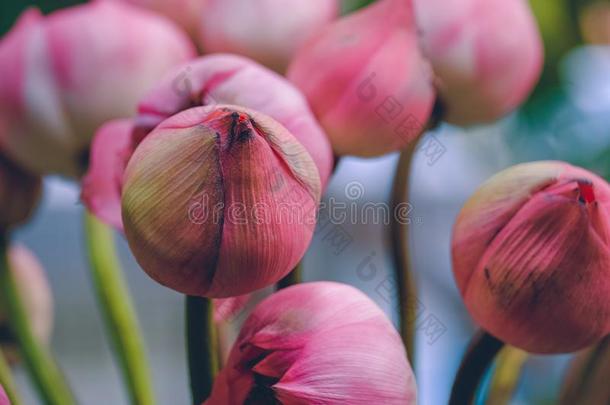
566, 118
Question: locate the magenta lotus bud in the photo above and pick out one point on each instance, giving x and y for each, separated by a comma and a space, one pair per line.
487, 55
268, 31
219, 201
75, 69
35, 292
366, 80
186, 13
19, 194
531, 256
316, 343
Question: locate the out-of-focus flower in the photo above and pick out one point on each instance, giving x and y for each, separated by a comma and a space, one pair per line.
531, 256
35, 292
73, 70
211, 80
316, 343
19, 194
186, 13
366, 80
487, 55
3, 398
219, 201
268, 31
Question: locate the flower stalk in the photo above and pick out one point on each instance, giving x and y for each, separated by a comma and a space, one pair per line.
201, 343
118, 310
480, 354
293, 278
48, 378
506, 375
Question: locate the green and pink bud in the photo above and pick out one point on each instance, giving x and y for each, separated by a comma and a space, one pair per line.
219, 201
74, 69
487, 55
531, 256
268, 31
367, 80
316, 343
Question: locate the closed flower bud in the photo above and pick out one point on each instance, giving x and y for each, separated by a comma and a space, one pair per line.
35, 292
366, 80
316, 343
211, 80
75, 69
487, 55
531, 256
19, 194
268, 31
219, 201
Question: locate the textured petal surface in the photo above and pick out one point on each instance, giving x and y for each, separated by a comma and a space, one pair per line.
102, 185
487, 55
366, 80
236, 192
316, 343
268, 31
532, 264
230, 79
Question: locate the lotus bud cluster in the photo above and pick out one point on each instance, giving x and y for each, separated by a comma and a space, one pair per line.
268, 31
74, 69
219, 201
531, 256
19, 194
34, 289
367, 80
486, 54
316, 343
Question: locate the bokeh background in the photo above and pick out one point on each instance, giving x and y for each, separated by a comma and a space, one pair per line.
566, 118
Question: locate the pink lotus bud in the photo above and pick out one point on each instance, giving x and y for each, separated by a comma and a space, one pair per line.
316, 343
75, 69
19, 194
486, 54
186, 13
366, 80
224, 79
268, 31
531, 256
36, 295
232, 189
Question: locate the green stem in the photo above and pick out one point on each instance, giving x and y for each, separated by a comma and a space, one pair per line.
201, 346
399, 239
7, 382
41, 365
506, 375
479, 356
292, 278
118, 311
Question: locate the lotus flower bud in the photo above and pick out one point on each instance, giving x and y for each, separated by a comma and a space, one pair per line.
219, 201
75, 69
19, 194
268, 31
366, 80
186, 13
224, 79
531, 256
487, 55
35, 292
316, 343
